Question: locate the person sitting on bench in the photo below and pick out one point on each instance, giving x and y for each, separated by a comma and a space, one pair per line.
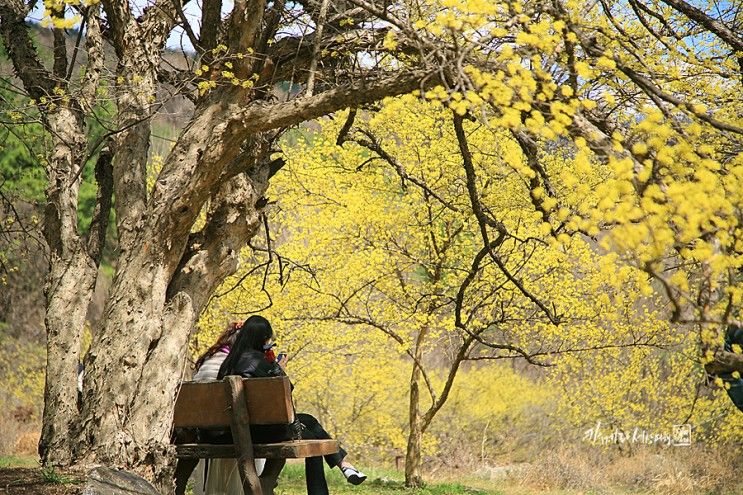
734, 337
218, 476
252, 357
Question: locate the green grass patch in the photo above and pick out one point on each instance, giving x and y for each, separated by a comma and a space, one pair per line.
50, 475
7, 461
379, 481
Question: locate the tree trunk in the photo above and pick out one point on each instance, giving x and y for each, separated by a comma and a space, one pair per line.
69, 290
132, 369
137, 359
69, 286
413, 476
413, 454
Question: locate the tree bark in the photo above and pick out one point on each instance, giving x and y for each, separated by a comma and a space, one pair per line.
413, 477
69, 287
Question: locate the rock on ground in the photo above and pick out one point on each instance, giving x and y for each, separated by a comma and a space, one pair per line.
109, 481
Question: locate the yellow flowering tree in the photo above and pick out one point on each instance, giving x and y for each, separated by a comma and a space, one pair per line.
380, 228
606, 78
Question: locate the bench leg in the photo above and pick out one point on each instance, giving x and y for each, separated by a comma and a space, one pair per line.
241, 436
270, 475
183, 470
249, 476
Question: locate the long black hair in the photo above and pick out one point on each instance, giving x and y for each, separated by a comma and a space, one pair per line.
254, 333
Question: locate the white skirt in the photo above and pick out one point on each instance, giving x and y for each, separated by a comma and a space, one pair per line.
222, 478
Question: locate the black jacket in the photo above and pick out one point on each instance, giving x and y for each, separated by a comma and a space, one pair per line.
251, 364
734, 335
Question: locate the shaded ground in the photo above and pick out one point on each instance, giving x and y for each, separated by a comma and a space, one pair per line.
23, 476
36, 481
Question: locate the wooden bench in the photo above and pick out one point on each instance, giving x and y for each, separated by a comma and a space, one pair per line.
238, 403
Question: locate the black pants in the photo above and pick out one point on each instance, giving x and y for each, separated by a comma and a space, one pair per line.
313, 468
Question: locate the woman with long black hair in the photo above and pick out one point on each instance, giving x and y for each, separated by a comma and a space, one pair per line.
252, 356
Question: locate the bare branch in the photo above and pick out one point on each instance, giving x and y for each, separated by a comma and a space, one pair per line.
373, 144
187, 25
712, 25
485, 220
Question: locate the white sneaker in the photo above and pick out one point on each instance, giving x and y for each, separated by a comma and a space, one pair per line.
353, 475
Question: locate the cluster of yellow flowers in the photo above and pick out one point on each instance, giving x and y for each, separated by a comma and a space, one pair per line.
374, 246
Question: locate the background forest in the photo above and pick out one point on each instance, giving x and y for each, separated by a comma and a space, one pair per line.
363, 264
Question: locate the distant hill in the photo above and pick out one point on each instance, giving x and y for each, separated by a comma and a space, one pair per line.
176, 109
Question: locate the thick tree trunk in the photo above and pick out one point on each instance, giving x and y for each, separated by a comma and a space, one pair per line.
68, 290
135, 366
137, 320
137, 359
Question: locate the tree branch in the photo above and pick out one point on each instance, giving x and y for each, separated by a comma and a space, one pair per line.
212, 253
712, 25
484, 220
118, 16
319, 26
438, 404
187, 25
725, 362
59, 68
17, 42
213, 138
373, 144
211, 15
243, 30
95, 55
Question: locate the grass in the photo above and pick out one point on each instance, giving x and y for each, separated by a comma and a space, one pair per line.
7, 461
50, 475
390, 482
380, 481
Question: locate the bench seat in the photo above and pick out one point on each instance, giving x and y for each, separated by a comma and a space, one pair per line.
296, 449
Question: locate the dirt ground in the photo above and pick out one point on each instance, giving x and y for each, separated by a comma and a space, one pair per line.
32, 481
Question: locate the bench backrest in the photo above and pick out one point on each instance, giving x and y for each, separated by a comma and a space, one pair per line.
206, 404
